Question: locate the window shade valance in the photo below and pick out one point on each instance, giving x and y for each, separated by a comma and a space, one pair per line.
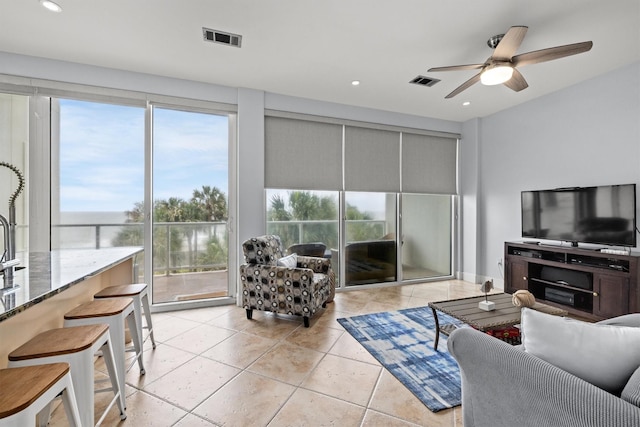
303, 155
371, 160
429, 164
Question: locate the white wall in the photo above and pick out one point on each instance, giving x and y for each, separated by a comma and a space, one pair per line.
587, 134
468, 189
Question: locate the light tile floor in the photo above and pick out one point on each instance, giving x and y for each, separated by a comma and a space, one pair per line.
213, 367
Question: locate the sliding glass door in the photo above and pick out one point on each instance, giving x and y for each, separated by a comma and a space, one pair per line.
370, 238
426, 236
190, 205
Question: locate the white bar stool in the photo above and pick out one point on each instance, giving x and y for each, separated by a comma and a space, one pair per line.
76, 346
138, 292
29, 389
113, 312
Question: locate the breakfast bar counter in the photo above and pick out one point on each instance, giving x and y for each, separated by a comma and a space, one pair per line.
52, 283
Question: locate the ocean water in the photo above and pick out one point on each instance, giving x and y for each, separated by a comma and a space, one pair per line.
92, 230
87, 230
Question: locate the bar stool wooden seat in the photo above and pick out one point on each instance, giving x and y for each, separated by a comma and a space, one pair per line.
28, 390
114, 312
138, 292
76, 346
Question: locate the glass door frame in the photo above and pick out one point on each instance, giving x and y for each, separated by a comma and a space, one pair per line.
455, 240
195, 107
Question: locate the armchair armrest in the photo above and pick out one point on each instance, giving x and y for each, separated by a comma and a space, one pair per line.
318, 265
259, 270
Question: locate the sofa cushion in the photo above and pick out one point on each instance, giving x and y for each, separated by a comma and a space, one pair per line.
604, 355
289, 261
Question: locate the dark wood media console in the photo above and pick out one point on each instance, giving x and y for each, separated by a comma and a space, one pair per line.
585, 282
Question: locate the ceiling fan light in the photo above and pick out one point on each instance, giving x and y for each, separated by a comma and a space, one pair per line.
51, 5
494, 75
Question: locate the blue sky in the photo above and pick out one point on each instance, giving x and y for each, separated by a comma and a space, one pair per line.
102, 155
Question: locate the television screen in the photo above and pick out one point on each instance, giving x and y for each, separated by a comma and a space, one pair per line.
602, 215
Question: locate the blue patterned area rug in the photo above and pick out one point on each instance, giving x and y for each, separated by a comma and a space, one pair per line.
402, 341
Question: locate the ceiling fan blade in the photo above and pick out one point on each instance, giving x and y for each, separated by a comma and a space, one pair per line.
457, 67
551, 53
509, 43
466, 85
516, 82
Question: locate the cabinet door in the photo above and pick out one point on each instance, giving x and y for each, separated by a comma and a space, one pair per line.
517, 275
613, 295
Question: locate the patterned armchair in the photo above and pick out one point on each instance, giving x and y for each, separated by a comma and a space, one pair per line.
299, 290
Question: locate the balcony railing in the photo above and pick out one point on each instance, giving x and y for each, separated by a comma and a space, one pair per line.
187, 246
178, 246
325, 231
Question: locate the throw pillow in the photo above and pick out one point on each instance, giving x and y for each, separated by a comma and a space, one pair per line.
604, 355
289, 261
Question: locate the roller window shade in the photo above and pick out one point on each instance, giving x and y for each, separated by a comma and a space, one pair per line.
302, 154
372, 160
429, 164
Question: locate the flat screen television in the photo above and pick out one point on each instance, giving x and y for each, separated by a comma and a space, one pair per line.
601, 215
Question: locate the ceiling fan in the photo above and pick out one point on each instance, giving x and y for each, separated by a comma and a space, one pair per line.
501, 66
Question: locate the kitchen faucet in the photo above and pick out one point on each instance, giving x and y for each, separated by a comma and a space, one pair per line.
8, 260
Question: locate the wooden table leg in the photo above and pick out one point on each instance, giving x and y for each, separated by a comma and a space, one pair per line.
435, 316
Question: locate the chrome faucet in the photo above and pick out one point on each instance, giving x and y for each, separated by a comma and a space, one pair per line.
8, 260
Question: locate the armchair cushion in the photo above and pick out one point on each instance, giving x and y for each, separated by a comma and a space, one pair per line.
604, 355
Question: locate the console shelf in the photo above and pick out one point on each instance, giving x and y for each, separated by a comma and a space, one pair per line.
585, 282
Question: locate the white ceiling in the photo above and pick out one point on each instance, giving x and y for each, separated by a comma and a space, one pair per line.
314, 49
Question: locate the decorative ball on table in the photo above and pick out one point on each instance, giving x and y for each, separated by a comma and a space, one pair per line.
523, 298
486, 305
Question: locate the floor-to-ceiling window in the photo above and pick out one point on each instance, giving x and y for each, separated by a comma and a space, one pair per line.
14, 164
98, 174
394, 190
303, 216
190, 205
88, 184
426, 236
370, 238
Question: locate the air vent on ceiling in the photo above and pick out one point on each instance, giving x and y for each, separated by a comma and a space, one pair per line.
221, 37
424, 81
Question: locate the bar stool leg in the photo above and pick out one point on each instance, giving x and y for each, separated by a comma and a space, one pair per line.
69, 402
147, 315
110, 361
134, 329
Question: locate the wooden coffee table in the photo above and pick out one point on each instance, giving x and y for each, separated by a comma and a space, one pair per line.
466, 310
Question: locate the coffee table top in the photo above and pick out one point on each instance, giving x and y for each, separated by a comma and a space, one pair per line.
505, 314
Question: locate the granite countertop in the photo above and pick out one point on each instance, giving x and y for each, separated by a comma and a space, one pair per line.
49, 273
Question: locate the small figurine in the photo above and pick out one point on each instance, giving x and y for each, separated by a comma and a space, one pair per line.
486, 305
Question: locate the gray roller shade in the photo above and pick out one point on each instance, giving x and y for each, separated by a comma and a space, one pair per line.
302, 154
372, 160
429, 164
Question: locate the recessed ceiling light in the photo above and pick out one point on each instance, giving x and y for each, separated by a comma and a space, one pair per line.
465, 103
50, 5
355, 82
